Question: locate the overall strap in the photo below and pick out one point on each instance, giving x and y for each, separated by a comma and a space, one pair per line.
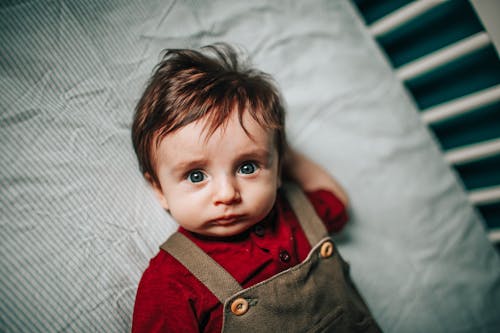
312, 225
202, 266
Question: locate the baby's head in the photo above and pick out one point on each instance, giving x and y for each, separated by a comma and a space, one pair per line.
209, 136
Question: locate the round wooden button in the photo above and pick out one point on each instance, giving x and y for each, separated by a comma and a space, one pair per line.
239, 306
326, 250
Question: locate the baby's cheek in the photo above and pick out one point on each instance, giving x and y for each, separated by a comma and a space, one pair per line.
180, 211
265, 200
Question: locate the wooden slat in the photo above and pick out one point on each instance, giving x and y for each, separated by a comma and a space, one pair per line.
473, 152
402, 16
443, 56
494, 235
461, 105
485, 196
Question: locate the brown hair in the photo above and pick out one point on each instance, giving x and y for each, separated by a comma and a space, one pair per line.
188, 85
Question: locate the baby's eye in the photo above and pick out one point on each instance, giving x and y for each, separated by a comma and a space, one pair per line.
247, 168
196, 176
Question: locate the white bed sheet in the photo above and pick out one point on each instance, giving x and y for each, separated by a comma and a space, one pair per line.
78, 223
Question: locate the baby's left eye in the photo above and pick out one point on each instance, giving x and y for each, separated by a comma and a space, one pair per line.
247, 168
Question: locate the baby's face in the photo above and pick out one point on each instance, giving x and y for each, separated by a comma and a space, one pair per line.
219, 185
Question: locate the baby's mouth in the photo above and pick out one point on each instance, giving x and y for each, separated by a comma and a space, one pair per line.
227, 220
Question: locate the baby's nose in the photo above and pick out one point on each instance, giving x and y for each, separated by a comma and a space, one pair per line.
226, 192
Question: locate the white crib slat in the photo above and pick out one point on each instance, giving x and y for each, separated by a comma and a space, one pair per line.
443, 56
485, 196
401, 16
473, 152
461, 105
494, 235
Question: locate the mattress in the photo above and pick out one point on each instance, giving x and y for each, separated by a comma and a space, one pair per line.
78, 223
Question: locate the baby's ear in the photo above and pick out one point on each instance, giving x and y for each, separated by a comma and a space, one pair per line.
157, 190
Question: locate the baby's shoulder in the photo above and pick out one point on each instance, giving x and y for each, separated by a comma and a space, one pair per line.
168, 282
164, 267
165, 274
169, 295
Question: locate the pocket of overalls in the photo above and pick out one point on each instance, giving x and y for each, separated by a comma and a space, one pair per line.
363, 325
335, 323
329, 322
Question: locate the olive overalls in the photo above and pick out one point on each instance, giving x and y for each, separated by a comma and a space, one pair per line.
316, 295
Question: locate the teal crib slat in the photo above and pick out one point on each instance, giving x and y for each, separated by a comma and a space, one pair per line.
445, 24
491, 214
481, 125
473, 72
480, 174
374, 10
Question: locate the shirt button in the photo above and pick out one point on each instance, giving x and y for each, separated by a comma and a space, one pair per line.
259, 230
284, 256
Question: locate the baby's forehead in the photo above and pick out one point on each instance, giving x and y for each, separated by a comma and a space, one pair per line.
227, 131
206, 128
215, 122
231, 141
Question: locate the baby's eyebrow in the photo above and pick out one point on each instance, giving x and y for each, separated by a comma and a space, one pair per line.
184, 166
260, 154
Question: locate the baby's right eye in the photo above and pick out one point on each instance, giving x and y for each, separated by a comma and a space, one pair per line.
196, 176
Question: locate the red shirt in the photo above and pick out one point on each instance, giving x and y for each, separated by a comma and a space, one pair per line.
171, 299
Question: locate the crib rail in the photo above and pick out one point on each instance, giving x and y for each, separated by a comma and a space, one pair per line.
462, 105
473, 152
402, 16
494, 235
448, 61
485, 196
442, 57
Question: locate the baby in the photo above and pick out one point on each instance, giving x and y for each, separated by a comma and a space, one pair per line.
252, 253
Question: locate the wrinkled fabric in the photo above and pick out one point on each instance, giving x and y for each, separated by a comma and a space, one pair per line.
78, 223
